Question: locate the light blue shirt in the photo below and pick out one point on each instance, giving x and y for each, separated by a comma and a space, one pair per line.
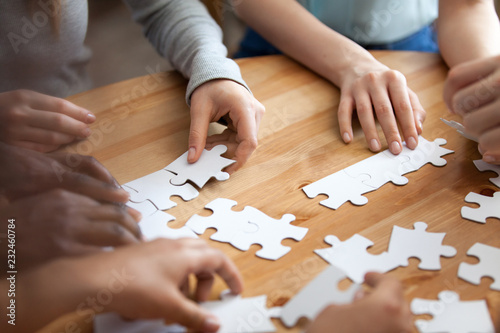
374, 21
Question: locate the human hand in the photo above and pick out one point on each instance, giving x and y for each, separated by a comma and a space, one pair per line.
40, 122
231, 101
382, 311
472, 90
384, 90
157, 273
24, 172
59, 223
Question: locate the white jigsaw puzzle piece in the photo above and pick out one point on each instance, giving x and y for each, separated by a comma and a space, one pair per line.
488, 266
382, 168
247, 227
146, 208
155, 226
483, 166
113, 322
417, 242
489, 207
317, 295
157, 188
352, 258
450, 315
237, 314
426, 152
209, 165
340, 188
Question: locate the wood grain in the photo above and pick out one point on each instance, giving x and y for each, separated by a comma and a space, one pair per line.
143, 126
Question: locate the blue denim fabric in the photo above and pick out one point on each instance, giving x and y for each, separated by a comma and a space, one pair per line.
425, 40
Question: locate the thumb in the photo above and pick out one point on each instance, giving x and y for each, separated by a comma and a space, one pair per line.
189, 314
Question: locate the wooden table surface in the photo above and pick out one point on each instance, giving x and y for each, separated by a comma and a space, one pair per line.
143, 125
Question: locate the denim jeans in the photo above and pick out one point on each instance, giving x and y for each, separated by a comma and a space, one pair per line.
424, 40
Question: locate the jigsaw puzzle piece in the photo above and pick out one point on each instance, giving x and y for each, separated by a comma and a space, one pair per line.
352, 258
209, 165
224, 219
452, 315
381, 168
155, 226
426, 152
483, 166
317, 295
417, 242
340, 188
489, 265
146, 208
489, 207
237, 314
267, 232
157, 188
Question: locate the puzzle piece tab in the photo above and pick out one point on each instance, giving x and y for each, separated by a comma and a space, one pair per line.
317, 295
450, 315
157, 188
352, 258
237, 314
209, 165
250, 226
426, 152
483, 166
427, 246
489, 265
340, 188
489, 207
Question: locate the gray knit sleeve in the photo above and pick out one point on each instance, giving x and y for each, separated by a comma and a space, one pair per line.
184, 32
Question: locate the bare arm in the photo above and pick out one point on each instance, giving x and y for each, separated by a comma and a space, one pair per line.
467, 30
366, 85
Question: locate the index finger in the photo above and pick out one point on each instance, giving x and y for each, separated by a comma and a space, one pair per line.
385, 283
59, 105
93, 188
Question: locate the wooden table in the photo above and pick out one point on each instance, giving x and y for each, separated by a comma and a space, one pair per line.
143, 126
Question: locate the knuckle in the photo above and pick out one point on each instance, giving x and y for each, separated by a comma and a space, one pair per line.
363, 109
394, 75
372, 77
58, 120
384, 110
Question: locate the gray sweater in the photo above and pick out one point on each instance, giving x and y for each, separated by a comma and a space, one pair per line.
34, 56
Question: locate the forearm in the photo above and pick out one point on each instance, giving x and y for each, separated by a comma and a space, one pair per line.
467, 30
184, 32
296, 32
41, 296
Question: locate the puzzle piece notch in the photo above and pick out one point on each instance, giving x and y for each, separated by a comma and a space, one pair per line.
452, 315
156, 187
488, 265
489, 207
340, 188
352, 258
317, 295
483, 166
381, 169
156, 226
247, 227
210, 164
419, 243
237, 314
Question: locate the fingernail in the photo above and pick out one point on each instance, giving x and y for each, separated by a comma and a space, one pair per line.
191, 153
480, 150
374, 145
489, 159
211, 324
90, 118
411, 142
86, 132
395, 147
420, 125
346, 137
